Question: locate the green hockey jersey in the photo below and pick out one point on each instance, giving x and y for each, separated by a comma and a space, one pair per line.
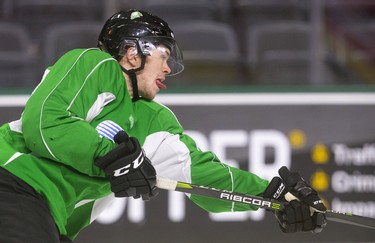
68, 122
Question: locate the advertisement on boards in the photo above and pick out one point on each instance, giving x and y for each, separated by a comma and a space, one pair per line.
329, 138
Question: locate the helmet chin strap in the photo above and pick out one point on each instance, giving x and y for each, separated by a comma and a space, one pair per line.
133, 77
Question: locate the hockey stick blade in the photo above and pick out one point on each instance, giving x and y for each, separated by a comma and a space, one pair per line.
256, 201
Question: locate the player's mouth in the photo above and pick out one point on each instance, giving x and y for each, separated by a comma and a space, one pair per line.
160, 84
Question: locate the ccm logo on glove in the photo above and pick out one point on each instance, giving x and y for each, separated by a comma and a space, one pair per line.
129, 171
124, 170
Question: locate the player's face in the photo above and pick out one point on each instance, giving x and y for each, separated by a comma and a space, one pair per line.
151, 78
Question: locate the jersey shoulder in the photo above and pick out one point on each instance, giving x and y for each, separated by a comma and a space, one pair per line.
93, 54
151, 105
90, 55
84, 61
159, 114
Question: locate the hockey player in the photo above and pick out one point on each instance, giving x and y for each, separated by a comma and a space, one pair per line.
65, 159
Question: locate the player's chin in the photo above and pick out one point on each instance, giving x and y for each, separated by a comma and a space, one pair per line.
150, 95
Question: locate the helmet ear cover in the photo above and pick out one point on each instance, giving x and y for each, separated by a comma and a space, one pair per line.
126, 45
132, 72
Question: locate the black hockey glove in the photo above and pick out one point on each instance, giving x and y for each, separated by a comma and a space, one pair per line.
131, 173
303, 210
299, 188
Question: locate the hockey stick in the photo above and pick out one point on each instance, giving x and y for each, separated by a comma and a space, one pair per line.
256, 201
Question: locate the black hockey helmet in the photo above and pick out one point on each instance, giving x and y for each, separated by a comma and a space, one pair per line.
135, 28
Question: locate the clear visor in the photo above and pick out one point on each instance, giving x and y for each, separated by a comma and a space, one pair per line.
166, 46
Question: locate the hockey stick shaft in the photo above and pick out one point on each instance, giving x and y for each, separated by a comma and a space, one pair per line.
257, 201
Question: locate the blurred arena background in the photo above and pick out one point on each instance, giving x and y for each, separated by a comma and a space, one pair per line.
297, 84
225, 42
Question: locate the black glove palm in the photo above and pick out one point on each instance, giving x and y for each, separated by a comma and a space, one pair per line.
131, 173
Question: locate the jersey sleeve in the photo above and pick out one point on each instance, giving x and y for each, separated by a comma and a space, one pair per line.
175, 155
76, 90
208, 170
